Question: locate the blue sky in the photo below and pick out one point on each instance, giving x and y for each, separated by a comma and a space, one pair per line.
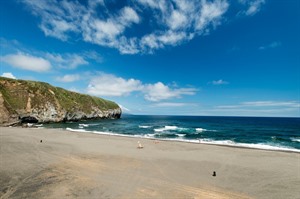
177, 57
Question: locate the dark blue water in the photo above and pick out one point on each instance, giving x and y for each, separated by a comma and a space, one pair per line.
254, 132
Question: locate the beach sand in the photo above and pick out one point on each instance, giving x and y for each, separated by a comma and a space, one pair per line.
82, 165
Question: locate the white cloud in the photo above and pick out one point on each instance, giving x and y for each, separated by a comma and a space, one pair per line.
40, 61
171, 38
155, 4
219, 82
150, 42
8, 75
27, 62
274, 44
68, 78
106, 30
9, 45
172, 22
110, 85
67, 61
159, 40
127, 46
128, 15
265, 104
159, 91
252, 6
210, 13
56, 16
92, 55
95, 3
185, 5
177, 20
57, 28
171, 104
292, 104
260, 108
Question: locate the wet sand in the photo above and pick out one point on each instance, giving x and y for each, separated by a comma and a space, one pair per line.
80, 165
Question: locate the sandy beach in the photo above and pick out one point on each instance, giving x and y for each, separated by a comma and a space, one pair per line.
81, 165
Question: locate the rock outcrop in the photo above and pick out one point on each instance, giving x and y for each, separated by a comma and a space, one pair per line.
29, 101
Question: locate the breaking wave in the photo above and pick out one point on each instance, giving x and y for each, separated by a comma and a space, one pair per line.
181, 138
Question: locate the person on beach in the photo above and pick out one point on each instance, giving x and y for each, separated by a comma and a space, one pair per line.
140, 146
214, 174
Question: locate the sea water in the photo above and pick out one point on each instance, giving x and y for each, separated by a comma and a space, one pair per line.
253, 132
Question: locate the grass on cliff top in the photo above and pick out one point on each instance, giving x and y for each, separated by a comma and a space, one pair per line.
16, 93
72, 100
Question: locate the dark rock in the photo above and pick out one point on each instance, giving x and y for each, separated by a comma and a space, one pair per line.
29, 119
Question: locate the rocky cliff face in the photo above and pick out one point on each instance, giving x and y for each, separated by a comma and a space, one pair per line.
28, 101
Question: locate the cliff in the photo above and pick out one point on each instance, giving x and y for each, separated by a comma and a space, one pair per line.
29, 101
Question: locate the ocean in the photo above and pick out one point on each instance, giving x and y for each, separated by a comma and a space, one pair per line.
267, 133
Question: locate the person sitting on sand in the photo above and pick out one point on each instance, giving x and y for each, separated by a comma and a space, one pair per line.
140, 146
214, 174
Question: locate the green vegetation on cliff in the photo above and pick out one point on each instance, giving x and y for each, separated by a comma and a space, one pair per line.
20, 97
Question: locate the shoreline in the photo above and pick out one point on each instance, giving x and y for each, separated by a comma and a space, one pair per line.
236, 145
84, 165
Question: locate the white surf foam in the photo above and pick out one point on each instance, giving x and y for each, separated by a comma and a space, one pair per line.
83, 125
159, 130
102, 133
203, 130
200, 129
205, 141
295, 139
144, 127
170, 128
150, 135
247, 145
77, 130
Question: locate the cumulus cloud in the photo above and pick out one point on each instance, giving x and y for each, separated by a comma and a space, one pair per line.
173, 22
159, 91
40, 61
110, 85
8, 75
27, 62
